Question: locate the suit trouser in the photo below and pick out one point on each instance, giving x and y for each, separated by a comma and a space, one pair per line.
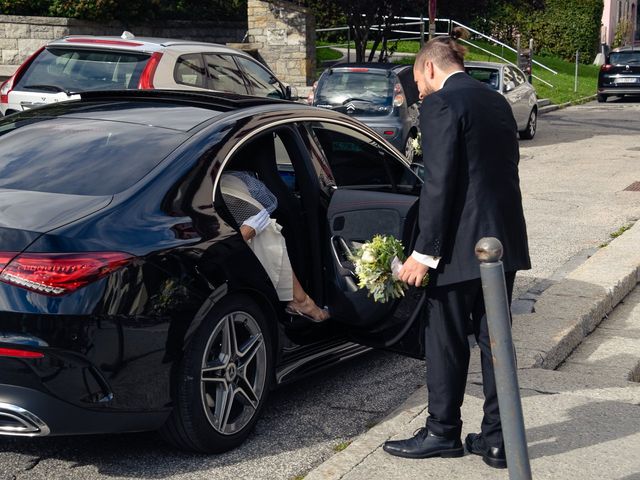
448, 311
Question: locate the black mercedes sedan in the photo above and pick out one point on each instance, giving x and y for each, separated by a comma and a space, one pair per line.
129, 300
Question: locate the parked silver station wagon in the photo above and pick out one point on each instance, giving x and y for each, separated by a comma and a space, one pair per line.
511, 82
65, 67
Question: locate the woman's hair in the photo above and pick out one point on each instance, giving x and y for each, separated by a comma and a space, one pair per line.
445, 52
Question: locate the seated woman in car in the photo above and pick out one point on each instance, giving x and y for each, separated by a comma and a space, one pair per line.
250, 203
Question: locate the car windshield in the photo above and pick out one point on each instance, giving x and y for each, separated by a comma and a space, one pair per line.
357, 92
78, 70
625, 58
78, 155
489, 76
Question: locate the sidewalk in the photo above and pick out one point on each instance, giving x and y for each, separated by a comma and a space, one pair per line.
582, 420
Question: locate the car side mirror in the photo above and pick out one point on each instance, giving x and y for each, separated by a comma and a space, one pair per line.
291, 93
509, 86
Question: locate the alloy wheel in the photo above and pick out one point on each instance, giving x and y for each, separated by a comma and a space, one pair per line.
409, 151
533, 120
234, 372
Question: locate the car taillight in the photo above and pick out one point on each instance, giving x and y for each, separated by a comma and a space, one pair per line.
17, 353
606, 67
5, 257
8, 85
56, 274
146, 78
398, 97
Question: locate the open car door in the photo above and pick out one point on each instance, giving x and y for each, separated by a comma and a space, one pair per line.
375, 193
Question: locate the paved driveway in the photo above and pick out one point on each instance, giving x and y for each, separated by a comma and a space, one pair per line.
573, 178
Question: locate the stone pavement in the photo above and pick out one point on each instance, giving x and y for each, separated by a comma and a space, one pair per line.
583, 419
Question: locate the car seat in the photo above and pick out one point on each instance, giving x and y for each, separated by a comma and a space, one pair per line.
259, 157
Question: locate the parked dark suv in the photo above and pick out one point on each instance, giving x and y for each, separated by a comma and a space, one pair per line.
382, 95
620, 74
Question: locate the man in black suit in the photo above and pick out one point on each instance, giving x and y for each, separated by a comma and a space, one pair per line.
471, 190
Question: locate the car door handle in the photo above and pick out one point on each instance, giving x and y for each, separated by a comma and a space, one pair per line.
341, 253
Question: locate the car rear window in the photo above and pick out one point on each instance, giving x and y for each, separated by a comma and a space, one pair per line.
79, 156
624, 58
489, 76
362, 93
78, 70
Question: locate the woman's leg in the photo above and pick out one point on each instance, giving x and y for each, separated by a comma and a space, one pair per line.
303, 303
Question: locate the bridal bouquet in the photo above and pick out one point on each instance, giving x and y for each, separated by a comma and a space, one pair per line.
377, 263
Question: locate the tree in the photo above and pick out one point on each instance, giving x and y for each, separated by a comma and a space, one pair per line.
370, 20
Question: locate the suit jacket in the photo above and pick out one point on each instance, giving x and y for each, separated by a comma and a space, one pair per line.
471, 184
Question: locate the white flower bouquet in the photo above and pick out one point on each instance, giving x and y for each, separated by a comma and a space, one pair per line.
416, 144
377, 263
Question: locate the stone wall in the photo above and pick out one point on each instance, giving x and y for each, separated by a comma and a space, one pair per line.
284, 34
20, 36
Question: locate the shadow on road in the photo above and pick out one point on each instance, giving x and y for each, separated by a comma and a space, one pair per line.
564, 126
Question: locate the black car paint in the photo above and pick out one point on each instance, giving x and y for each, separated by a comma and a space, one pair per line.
111, 346
609, 72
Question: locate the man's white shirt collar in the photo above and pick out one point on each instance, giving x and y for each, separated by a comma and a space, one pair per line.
449, 76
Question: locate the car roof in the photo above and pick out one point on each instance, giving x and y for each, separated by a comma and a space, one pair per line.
136, 44
171, 109
485, 64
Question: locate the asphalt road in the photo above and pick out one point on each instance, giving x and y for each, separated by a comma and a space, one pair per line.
573, 176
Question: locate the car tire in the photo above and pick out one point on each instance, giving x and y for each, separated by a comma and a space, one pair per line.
532, 124
223, 380
601, 98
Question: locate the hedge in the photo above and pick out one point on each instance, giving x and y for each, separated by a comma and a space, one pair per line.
129, 10
569, 25
558, 28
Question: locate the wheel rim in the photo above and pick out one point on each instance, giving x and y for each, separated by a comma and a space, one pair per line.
234, 371
408, 149
532, 123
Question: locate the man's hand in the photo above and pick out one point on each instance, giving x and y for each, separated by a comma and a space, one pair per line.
247, 232
413, 272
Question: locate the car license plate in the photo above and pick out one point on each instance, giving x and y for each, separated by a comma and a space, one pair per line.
626, 80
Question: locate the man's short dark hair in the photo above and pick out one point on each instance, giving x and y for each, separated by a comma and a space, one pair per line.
444, 52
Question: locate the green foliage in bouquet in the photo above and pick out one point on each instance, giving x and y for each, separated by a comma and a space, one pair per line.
373, 268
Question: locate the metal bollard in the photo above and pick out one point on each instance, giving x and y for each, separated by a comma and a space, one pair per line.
489, 252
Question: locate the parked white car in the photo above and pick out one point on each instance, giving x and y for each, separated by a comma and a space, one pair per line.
75, 64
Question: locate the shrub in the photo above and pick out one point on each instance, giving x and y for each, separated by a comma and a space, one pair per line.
558, 28
624, 33
569, 25
24, 7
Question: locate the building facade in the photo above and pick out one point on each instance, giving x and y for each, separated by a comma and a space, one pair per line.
620, 16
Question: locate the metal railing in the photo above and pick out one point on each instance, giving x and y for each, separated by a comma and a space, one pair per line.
420, 35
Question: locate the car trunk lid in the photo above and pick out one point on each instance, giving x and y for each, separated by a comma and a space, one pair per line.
25, 215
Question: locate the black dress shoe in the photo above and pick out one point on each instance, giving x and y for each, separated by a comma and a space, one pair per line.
425, 444
492, 456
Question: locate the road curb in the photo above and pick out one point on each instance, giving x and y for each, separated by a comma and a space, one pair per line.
565, 313
553, 107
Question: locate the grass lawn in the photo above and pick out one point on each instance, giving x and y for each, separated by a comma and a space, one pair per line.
563, 82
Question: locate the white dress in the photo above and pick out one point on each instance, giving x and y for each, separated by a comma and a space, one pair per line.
269, 245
